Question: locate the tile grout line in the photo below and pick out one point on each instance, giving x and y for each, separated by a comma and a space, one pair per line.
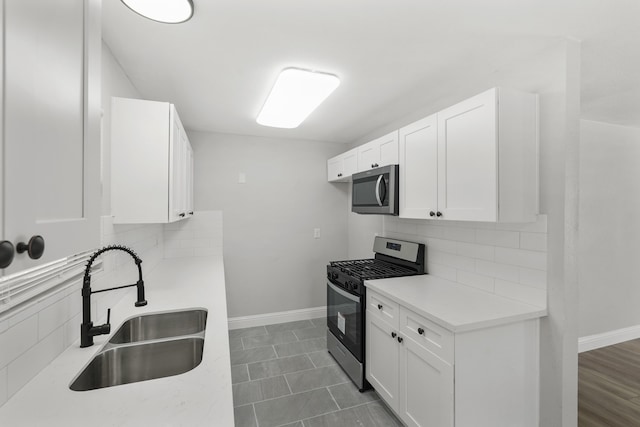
255, 416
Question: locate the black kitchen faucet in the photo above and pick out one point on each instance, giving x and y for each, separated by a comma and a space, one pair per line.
87, 330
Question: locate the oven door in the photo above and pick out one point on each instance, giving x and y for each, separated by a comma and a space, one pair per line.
345, 318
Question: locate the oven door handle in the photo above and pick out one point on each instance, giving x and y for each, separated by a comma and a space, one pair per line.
343, 293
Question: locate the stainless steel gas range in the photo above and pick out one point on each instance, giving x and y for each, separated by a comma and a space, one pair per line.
346, 298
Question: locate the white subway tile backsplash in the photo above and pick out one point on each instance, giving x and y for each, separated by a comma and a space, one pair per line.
24, 368
503, 238
18, 339
4, 386
533, 241
496, 270
440, 270
510, 259
452, 260
475, 250
54, 316
534, 278
526, 294
430, 230
460, 234
479, 281
442, 245
522, 258
71, 331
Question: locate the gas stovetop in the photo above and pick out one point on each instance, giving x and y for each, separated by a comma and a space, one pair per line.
393, 258
368, 269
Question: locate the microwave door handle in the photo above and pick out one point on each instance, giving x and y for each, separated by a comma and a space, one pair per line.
380, 178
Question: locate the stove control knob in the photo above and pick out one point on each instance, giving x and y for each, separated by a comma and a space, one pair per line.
349, 284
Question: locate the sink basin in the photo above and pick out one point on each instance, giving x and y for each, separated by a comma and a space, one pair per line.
140, 362
160, 325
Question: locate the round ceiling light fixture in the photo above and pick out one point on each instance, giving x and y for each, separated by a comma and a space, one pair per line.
166, 11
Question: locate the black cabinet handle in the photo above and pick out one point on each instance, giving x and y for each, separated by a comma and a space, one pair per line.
6, 253
439, 214
393, 335
34, 248
191, 213
432, 213
379, 306
339, 175
182, 215
421, 331
400, 339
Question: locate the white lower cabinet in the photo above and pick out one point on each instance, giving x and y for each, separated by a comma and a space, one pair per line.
432, 377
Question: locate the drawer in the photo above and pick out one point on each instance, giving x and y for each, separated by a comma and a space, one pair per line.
383, 308
427, 334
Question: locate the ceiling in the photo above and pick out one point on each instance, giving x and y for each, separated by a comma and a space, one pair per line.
218, 67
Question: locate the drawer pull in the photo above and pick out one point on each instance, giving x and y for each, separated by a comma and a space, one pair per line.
379, 306
421, 331
393, 335
400, 340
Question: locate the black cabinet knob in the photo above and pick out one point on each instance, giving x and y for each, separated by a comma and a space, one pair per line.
439, 214
379, 306
421, 331
34, 248
182, 215
339, 175
393, 335
191, 213
6, 253
400, 339
432, 213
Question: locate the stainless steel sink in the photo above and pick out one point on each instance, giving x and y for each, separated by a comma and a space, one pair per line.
160, 325
146, 347
140, 362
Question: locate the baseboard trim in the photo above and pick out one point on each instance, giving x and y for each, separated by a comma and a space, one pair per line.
593, 342
278, 317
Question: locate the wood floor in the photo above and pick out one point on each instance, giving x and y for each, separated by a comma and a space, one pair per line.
609, 386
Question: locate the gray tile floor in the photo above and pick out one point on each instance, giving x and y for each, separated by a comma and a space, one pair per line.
284, 376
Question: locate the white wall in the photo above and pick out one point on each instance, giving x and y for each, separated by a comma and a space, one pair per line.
272, 261
554, 74
609, 217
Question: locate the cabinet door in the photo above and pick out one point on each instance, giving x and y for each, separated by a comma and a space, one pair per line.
334, 169
368, 156
51, 127
350, 163
189, 188
379, 152
382, 356
426, 395
418, 147
388, 149
467, 165
177, 169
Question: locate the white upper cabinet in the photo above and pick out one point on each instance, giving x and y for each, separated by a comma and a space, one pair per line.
151, 160
341, 167
418, 160
379, 152
51, 134
486, 150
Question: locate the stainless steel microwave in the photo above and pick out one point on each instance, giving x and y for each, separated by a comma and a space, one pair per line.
375, 191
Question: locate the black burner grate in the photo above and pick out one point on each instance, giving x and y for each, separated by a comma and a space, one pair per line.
366, 269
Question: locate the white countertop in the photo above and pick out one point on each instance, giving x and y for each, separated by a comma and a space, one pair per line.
453, 306
200, 397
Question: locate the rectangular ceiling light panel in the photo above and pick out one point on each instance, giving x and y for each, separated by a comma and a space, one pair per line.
294, 96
